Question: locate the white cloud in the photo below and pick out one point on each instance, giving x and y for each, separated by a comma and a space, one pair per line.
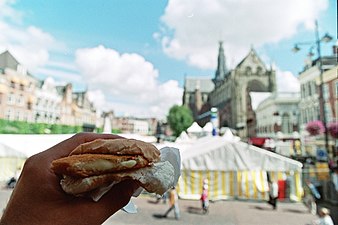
128, 80
60, 75
287, 82
30, 45
238, 23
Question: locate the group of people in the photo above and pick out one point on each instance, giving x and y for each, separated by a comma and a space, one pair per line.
173, 201
312, 194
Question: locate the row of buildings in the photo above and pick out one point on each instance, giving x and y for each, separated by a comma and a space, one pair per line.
281, 116
23, 97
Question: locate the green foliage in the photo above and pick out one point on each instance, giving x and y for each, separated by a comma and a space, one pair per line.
116, 131
20, 127
179, 119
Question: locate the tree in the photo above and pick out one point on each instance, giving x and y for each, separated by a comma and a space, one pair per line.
179, 119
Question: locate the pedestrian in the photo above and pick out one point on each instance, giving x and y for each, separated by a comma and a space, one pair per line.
173, 204
38, 198
311, 196
205, 199
273, 194
324, 218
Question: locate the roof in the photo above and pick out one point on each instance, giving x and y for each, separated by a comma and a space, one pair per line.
251, 54
217, 153
205, 84
7, 60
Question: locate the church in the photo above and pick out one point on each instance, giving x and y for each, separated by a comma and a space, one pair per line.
229, 92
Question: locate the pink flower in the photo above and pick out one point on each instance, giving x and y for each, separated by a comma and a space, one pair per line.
333, 129
315, 127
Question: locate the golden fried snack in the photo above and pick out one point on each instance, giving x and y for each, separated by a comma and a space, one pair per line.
103, 161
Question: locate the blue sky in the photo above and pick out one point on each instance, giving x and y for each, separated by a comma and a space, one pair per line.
133, 55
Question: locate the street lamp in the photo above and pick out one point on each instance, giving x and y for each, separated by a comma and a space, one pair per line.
326, 38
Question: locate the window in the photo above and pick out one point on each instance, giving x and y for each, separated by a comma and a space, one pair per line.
326, 93
11, 98
248, 70
328, 112
286, 124
302, 90
7, 114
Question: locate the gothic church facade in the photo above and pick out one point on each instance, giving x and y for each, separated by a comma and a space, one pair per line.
231, 92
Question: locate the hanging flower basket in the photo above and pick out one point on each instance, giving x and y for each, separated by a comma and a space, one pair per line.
315, 127
333, 129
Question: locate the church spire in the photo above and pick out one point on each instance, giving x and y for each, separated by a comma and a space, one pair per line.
221, 66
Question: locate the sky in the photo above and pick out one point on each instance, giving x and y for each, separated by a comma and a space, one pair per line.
132, 56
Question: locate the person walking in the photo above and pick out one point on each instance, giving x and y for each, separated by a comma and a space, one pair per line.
205, 199
173, 203
273, 194
311, 197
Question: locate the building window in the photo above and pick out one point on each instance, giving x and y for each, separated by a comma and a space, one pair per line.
328, 112
326, 93
248, 70
19, 100
11, 99
8, 114
286, 124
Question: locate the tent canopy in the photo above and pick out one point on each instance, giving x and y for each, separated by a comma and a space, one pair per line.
32, 144
184, 137
208, 127
9, 152
217, 153
194, 128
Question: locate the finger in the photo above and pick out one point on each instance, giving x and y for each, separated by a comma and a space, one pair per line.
63, 148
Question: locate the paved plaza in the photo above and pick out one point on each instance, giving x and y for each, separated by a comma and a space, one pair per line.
221, 212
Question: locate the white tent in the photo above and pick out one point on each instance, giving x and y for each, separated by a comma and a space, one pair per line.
30, 144
235, 170
208, 127
184, 137
195, 128
11, 161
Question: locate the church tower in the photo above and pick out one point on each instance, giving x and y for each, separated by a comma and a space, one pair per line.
231, 95
221, 67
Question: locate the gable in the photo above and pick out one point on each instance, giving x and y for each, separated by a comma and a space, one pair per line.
253, 61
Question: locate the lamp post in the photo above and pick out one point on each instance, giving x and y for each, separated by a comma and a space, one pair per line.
325, 38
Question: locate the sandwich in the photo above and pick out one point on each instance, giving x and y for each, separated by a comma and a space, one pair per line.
103, 162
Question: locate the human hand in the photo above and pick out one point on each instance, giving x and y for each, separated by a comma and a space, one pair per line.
39, 199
